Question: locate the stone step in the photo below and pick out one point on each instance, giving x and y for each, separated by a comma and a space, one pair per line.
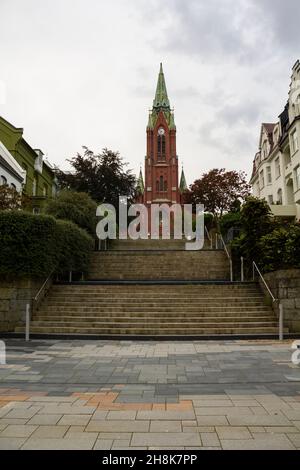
115, 317
152, 331
155, 309
146, 320
157, 325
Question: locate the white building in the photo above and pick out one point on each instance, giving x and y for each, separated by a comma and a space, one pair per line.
11, 173
276, 167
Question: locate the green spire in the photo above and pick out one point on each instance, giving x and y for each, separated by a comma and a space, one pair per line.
140, 183
161, 99
182, 186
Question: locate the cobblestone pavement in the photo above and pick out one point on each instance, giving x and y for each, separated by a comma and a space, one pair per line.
149, 395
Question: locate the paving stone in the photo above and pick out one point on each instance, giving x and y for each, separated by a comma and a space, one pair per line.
212, 420
123, 415
165, 426
165, 439
9, 443
233, 432
115, 435
103, 444
260, 442
222, 411
82, 443
49, 432
295, 438
121, 444
209, 439
99, 415
118, 426
255, 420
15, 430
22, 413
79, 420
44, 419
67, 409
166, 415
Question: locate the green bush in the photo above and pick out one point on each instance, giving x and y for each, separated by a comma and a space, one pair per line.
78, 208
228, 221
280, 249
77, 245
34, 245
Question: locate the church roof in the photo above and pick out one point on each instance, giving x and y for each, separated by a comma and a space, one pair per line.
182, 186
161, 99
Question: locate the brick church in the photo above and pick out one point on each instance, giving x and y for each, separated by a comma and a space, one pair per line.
161, 161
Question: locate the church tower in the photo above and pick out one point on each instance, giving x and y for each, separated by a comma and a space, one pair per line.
161, 161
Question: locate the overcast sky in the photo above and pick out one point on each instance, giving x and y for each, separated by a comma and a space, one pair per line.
84, 72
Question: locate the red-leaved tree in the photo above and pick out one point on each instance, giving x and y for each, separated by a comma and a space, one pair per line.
218, 190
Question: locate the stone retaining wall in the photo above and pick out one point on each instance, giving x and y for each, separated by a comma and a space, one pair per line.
14, 296
285, 286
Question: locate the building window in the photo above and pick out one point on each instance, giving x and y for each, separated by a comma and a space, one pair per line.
34, 187
294, 138
279, 196
45, 190
265, 149
277, 168
261, 179
269, 175
270, 200
161, 147
161, 183
3, 180
165, 186
13, 186
297, 176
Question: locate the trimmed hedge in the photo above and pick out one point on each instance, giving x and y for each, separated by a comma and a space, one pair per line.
280, 249
34, 245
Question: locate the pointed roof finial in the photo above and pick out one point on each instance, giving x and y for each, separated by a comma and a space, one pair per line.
161, 99
140, 187
182, 186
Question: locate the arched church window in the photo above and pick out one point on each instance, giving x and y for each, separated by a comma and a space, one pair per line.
161, 144
161, 183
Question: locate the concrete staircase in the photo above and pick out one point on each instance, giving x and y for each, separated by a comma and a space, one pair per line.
155, 310
160, 265
161, 291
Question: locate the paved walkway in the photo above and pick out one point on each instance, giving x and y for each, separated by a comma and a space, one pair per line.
149, 395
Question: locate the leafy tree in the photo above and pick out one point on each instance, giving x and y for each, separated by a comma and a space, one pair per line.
255, 221
75, 207
219, 189
103, 176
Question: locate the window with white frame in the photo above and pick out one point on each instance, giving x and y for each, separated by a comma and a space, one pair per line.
261, 179
294, 141
3, 180
265, 149
297, 176
271, 200
269, 175
277, 168
279, 196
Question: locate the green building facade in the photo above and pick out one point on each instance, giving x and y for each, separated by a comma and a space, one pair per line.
40, 182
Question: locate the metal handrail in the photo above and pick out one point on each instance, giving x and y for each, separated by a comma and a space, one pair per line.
273, 299
208, 236
228, 255
264, 281
35, 299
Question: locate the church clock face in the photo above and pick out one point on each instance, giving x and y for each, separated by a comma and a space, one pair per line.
161, 131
